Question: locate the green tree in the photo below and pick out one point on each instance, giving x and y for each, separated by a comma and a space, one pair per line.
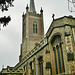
4, 5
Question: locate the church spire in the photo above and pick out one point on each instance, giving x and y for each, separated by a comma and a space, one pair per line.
32, 6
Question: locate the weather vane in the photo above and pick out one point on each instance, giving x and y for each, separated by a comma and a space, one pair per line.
71, 5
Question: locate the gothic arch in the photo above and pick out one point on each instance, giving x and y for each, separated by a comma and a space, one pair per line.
56, 34
57, 51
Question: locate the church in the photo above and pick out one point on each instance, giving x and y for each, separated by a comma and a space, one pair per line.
53, 54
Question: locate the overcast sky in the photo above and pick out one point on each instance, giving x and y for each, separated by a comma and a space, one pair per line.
11, 36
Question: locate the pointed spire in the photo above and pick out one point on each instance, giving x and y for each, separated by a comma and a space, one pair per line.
32, 6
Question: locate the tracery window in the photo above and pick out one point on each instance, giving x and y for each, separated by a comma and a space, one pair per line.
35, 27
58, 54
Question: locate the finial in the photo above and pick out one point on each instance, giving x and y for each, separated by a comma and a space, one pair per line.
41, 10
53, 16
2, 66
23, 14
27, 6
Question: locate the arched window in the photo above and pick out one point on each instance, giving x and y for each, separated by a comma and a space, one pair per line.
40, 61
35, 27
58, 54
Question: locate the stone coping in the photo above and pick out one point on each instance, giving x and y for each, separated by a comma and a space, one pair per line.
32, 52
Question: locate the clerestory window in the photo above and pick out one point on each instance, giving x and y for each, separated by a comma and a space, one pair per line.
35, 27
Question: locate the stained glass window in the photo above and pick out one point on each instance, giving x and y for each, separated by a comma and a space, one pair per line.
62, 57
55, 60
59, 59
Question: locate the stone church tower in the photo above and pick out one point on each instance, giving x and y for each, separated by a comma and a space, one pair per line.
53, 54
32, 29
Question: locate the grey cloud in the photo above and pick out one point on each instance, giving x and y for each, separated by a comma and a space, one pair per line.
10, 36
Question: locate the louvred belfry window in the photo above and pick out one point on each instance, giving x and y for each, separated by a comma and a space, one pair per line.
35, 27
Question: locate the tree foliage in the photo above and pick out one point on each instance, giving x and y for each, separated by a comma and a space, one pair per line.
5, 20
4, 5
